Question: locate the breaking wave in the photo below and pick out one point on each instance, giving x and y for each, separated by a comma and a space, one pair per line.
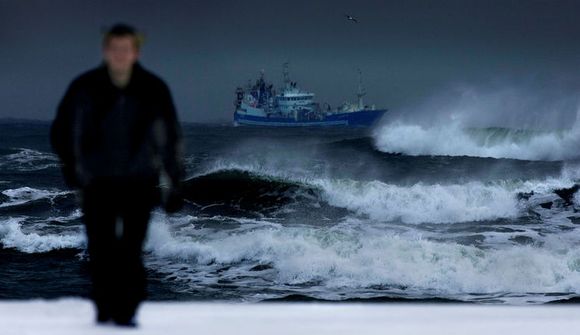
252, 187
456, 140
27, 160
23, 195
354, 256
12, 236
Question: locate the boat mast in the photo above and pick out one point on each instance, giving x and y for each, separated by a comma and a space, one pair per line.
361, 91
286, 73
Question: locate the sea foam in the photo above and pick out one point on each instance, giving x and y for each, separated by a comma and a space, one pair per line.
12, 236
421, 203
455, 139
27, 160
354, 255
26, 194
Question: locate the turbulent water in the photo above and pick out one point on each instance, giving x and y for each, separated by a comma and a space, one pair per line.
397, 213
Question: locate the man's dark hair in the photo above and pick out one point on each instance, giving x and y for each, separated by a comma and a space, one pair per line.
122, 30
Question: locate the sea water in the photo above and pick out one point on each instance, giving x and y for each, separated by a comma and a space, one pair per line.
399, 212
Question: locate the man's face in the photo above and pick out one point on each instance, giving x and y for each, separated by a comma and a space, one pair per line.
120, 53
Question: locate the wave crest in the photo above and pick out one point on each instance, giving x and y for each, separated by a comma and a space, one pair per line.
12, 236
456, 140
354, 255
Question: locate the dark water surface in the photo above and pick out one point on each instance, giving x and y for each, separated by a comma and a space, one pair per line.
317, 214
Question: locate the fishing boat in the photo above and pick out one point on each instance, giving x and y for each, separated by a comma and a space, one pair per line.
260, 105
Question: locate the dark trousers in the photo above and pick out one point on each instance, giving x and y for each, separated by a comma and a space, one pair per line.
116, 216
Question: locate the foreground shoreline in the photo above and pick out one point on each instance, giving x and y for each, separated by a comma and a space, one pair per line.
75, 316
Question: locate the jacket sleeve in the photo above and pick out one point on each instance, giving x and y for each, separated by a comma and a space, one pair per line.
62, 137
173, 151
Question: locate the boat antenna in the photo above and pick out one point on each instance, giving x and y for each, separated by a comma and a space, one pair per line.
286, 73
361, 91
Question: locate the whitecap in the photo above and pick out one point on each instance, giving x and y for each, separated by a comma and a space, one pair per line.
26, 160
26, 194
454, 139
12, 236
355, 255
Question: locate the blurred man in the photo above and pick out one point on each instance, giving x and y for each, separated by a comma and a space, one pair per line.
116, 133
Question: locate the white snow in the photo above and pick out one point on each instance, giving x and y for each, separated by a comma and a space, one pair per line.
75, 317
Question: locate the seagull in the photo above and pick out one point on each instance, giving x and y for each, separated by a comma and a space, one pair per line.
351, 18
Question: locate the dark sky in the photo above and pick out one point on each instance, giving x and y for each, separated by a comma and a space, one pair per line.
409, 50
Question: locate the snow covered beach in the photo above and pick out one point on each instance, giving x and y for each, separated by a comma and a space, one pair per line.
75, 316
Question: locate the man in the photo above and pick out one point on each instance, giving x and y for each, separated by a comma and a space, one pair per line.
116, 133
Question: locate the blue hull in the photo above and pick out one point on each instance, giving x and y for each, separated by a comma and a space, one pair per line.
365, 118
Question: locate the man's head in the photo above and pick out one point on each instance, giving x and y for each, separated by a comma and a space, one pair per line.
121, 45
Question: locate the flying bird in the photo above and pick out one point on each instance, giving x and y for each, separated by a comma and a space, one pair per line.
350, 18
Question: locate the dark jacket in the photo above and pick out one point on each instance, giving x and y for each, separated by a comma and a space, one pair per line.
102, 132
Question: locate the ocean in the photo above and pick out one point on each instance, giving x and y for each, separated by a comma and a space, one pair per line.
394, 213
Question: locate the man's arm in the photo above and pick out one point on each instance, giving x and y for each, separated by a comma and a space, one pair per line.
172, 153
62, 138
